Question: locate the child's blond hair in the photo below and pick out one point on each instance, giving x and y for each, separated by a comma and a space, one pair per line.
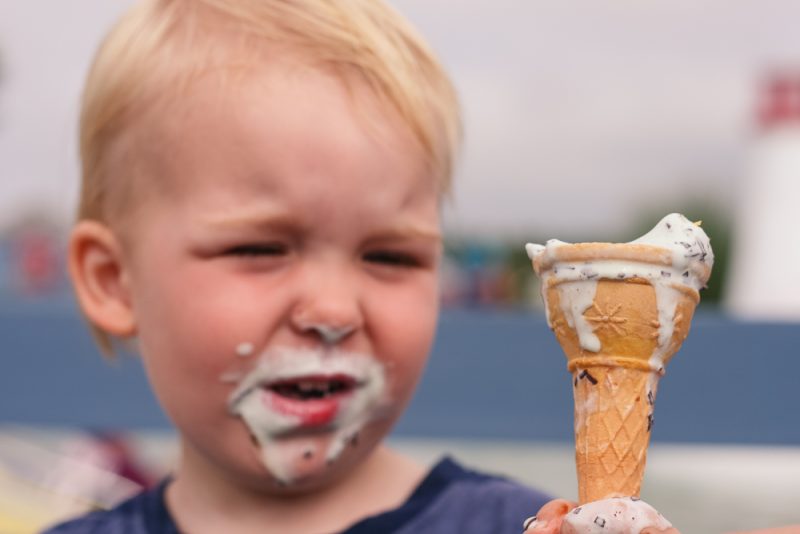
159, 48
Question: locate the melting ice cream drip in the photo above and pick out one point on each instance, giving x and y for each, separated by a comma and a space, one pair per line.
691, 256
575, 300
274, 431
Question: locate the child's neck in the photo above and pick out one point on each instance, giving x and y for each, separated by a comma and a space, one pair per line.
201, 501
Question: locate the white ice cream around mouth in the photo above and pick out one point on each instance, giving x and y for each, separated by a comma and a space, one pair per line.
356, 380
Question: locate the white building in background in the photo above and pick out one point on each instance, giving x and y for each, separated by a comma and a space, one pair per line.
764, 279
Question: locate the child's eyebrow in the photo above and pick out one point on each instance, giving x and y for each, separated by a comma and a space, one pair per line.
286, 222
408, 232
258, 219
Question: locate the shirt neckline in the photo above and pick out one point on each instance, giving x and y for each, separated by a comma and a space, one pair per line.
445, 472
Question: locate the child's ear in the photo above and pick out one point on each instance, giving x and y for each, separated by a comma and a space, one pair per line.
100, 278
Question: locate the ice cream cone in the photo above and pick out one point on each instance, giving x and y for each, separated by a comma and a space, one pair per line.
620, 312
615, 387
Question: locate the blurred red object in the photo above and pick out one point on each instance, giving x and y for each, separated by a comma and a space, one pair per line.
780, 100
37, 263
112, 452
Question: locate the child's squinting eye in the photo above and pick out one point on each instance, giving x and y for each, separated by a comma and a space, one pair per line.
257, 249
397, 259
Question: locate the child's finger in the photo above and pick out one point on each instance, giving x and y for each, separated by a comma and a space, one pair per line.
556, 508
542, 526
548, 519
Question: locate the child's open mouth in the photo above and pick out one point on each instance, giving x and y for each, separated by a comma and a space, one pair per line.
308, 388
315, 400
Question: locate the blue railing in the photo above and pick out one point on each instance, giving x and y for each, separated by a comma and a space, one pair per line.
491, 375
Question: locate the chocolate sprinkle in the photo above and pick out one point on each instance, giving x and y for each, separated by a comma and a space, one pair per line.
575, 382
666, 274
650, 421
650, 399
585, 374
577, 510
600, 522
669, 226
686, 274
634, 498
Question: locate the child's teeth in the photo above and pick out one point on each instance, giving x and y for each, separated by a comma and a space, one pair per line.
307, 387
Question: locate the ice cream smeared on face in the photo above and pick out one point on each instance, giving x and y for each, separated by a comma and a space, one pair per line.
244, 349
675, 253
623, 515
291, 393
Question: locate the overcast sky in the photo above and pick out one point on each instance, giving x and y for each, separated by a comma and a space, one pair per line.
579, 115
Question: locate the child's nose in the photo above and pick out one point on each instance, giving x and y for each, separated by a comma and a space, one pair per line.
330, 335
329, 310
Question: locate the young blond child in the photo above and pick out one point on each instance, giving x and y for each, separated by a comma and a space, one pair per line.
260, 207
260, 211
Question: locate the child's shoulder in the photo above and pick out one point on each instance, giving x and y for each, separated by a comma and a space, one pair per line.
481, 494
144, 513
456, 500
450, 500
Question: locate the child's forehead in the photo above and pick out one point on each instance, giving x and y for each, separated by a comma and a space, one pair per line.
245, 125
288, 94
193, 93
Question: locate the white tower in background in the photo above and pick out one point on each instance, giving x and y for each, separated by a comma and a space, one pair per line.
764, 279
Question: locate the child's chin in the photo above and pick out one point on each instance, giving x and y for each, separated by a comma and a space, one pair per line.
305, 464
312, 480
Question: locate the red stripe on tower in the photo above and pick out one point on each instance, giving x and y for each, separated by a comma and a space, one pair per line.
780, 100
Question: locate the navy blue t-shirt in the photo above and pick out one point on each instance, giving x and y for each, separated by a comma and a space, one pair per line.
450, 500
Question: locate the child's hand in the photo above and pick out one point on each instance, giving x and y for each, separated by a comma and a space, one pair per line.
548, 519
609, 516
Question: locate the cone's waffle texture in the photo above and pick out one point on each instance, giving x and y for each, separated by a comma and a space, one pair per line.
615, 388
613, 417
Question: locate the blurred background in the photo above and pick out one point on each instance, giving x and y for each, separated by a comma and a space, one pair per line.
584, 121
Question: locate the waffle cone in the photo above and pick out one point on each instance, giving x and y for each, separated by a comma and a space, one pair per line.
615, 387
612, 430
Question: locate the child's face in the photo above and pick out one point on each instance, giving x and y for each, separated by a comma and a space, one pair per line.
283, 280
